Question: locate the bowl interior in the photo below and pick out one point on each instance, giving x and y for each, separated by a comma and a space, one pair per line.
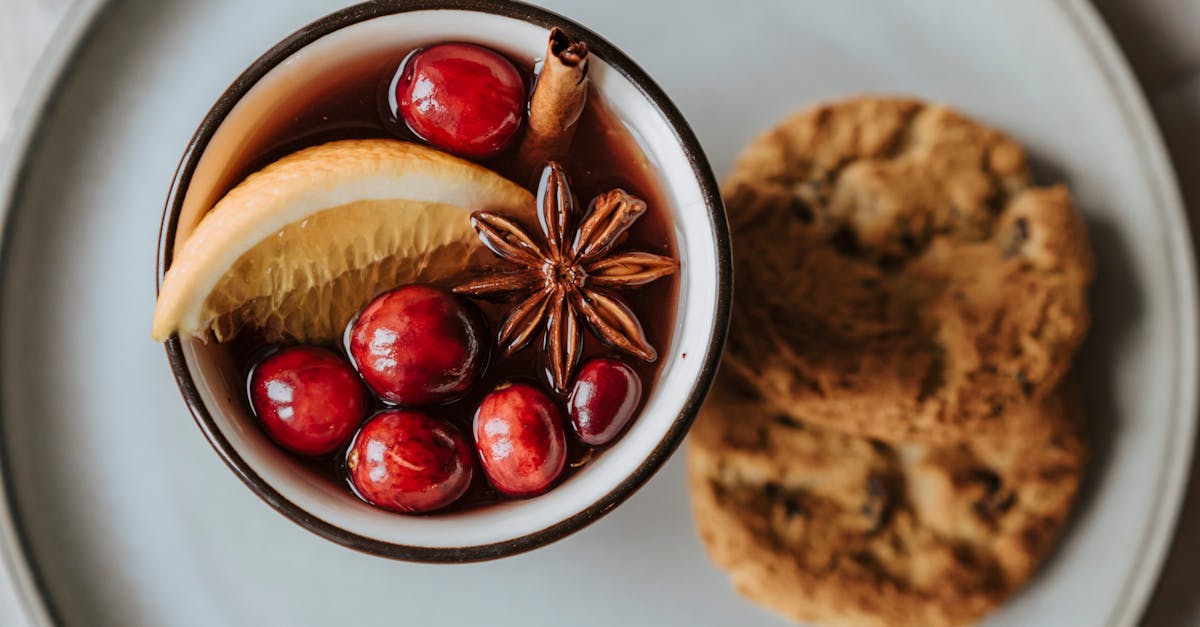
319, 66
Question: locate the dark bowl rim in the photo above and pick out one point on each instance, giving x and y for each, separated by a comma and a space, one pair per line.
712, 201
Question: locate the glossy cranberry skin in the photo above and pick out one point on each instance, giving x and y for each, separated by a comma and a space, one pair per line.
520, 439
603, 400
417, 345
309, 399
462, 98
408, 461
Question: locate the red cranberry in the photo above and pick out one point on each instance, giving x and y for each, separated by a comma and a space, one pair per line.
407, 461
603, 400
309, 399
462, 98
417, 345
520, 439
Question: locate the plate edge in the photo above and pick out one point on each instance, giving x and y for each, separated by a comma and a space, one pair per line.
82, 15
1159, 171
32, 605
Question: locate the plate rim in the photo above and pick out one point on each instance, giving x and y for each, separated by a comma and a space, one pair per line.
1159, 171
32, 604
35, 606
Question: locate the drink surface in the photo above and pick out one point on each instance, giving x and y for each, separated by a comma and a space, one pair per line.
353, 104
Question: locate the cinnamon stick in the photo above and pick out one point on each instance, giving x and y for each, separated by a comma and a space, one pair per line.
557, 101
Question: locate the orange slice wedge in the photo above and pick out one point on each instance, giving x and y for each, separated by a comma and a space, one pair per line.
301, 245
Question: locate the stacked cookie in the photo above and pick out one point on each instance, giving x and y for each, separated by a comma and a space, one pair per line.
891, 441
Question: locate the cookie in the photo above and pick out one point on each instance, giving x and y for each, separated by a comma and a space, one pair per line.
898, 275
835, 529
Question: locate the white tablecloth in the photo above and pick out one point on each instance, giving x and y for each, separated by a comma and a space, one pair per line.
1161, 38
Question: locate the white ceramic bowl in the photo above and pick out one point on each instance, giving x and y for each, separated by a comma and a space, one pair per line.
238, 125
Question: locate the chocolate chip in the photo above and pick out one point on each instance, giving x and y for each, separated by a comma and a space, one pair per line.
996, 507
800, 209
788, 422
845, 242
997, 200
864, 559
1022, 225
789, 502
932, 381
878, 505
890, 262
989, 479
995, 501
1026, 385
1019, 237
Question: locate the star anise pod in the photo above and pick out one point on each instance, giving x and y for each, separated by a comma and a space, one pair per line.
569, 278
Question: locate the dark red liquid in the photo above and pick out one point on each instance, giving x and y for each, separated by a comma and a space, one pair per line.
353, 104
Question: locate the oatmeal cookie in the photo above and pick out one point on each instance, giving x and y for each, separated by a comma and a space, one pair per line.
826, 527
898, 275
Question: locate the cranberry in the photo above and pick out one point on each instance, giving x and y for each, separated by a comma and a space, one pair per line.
605, 395
520, 439
308, 399
407, 461
462, 98
417, 345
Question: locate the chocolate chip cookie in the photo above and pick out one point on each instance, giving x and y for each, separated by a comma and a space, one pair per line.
838, 529
898, 274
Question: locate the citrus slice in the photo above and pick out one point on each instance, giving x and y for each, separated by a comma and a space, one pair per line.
301, 245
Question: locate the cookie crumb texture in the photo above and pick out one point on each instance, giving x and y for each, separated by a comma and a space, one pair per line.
899, 276
835, 529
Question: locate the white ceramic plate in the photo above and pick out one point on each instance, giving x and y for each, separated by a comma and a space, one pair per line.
129, 518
